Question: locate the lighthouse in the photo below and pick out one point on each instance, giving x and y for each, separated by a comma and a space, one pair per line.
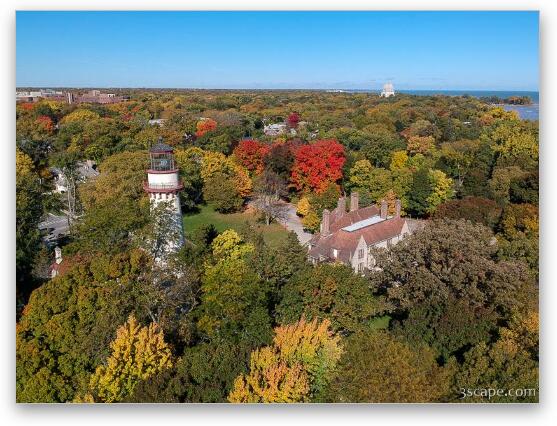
163, 186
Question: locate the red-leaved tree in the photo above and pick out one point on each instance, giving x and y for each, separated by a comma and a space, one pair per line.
317, 165
204, 126
293, 120
250, 154
45, 123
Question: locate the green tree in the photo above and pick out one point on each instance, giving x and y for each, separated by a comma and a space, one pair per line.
68, 323
377, 367
328, 291
419, 192
222, 194
29, 210
233, 300
453, 260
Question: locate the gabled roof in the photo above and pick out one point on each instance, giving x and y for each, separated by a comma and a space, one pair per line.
349, 218
346, 242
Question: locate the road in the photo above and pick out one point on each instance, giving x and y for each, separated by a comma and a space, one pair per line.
293, 223
56, 226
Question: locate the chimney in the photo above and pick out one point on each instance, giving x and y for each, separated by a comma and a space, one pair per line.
58, 255
325, 223
341, 206
354, 201
397, 208
383, 209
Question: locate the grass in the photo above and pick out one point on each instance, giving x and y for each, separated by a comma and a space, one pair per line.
273, 234
380, 323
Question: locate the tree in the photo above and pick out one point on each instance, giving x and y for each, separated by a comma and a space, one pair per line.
377, 367
379, 145
420, 144
450, 328
222, 194
504, 365
399, 160
68, 164
303, 207
137, 354
190, 162
29, 211
121, 177
372, 183
502, 180
441, 189
452, 260
419, 192
204, 373
268, 191
218, 170
293, 120
330, 292
80, 115
317, 165
251, 154
233, 300
514, 139
296, 368
68, 323
475, 209
205, 125
280, 159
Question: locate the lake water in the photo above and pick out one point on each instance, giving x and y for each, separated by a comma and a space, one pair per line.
526, 112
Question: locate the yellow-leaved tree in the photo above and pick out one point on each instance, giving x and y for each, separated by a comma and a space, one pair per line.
303, 207
137, 354
295, 368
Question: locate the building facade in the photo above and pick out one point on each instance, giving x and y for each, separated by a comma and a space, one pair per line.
349, 236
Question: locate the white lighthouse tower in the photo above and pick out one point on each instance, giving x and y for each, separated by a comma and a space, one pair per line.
163, 186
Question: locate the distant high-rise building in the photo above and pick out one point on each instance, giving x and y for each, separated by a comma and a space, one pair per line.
388, 90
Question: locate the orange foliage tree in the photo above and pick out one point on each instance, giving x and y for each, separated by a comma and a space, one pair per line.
317, 165
204, 126
250, 154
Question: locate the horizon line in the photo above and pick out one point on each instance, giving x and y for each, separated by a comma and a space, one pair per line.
267, 88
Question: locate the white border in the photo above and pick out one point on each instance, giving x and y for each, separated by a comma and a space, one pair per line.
344, 414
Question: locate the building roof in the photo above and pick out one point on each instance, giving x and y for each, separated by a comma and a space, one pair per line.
161, 147
343, 220
346, 233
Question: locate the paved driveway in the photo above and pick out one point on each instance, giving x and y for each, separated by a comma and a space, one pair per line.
293, 223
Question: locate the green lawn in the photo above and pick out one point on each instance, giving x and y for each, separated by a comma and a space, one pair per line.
380, 323
272, 234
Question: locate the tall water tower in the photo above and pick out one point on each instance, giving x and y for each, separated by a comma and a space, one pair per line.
388, 90
163, 186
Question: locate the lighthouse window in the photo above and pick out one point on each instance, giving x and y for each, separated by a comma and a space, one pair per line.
162, 162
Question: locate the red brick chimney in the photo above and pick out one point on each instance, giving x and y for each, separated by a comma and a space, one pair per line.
383, 209
341, 206
354, 201
325, 223
397, 208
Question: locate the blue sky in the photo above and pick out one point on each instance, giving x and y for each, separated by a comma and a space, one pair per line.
414, 50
